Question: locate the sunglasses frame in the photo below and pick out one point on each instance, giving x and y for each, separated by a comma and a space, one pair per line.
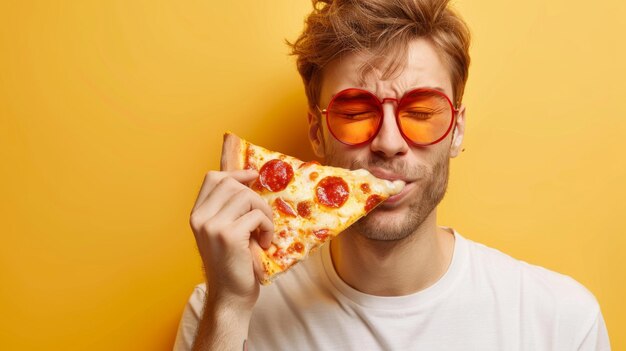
398, 102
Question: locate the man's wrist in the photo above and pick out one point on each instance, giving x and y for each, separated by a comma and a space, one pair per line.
228, 311
228, 306
222, 327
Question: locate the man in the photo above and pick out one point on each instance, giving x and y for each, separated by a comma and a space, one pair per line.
394, 280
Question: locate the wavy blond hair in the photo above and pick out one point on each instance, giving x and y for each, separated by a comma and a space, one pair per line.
383, 29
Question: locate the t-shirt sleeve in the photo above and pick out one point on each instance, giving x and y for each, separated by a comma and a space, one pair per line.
190, 319
597, 338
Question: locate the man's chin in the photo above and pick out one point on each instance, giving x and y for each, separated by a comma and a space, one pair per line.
386, 223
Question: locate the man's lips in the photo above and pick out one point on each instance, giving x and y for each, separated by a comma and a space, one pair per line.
399, 196
386, 174
391, 176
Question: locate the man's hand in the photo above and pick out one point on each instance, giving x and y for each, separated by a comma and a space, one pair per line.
228, 221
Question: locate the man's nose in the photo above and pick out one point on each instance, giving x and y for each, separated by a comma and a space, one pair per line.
389, 141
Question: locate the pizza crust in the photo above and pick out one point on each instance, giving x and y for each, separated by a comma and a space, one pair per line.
233, 158
233, 153
266, 269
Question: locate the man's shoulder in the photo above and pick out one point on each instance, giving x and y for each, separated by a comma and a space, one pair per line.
547, 290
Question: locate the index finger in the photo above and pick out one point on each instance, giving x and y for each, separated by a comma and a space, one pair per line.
212, 178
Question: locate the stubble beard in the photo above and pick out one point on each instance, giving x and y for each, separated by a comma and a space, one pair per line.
382, 225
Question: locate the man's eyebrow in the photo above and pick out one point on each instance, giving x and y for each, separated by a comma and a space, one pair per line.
411, 88
427, 87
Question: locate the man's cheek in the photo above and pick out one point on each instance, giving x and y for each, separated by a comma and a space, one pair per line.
340, 158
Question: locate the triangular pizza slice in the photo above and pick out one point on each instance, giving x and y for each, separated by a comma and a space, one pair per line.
311, 203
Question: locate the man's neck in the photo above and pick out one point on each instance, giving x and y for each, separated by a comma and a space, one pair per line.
394, 268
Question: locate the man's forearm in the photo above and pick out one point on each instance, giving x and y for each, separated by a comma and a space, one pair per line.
222, 328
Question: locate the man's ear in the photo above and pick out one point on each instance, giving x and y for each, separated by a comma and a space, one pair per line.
458, 133
315, 134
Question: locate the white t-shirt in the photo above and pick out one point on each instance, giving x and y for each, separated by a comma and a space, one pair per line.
485, 301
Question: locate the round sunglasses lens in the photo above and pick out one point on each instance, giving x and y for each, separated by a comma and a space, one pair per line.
425, 116
354, 116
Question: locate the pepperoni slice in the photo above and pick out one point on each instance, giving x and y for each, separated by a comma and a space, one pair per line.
332, 191
304, 209
365, 188
275, 175
284, 207
279, 254
372, 201
321, 234
256, 186
298, 246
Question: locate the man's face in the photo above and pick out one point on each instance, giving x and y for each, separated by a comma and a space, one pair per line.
389, 155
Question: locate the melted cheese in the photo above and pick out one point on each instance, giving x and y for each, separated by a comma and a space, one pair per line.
302, 188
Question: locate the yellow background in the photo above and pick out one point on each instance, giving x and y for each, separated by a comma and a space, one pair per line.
112, 111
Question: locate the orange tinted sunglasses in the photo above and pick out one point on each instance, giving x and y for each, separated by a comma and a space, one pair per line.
424, 116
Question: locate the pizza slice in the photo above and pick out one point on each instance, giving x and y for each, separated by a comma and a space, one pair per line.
311, 203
